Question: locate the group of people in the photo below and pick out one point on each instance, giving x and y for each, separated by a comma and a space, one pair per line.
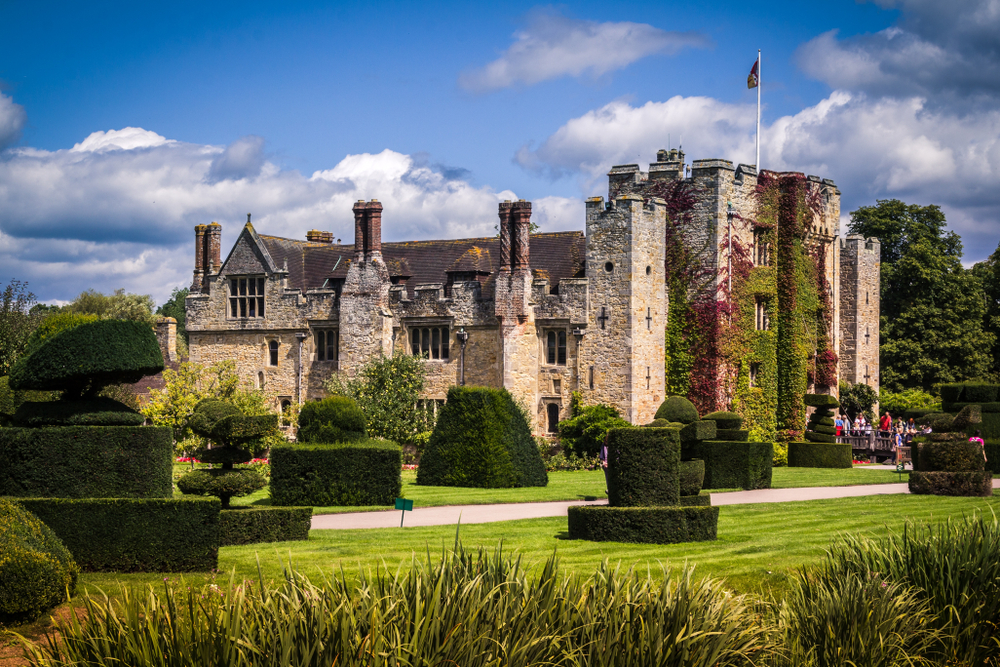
901, 431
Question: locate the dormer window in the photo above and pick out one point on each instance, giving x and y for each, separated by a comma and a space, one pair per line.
246, 297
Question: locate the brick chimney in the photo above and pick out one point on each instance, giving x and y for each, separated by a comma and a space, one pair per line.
316, 236
504, 212
213, 248
520, 224
367, 230
199, 258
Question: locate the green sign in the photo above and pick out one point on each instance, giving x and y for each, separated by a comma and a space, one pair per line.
899, 468
406, 506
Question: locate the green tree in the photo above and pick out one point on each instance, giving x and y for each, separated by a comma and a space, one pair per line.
387, 390
120, 305
583, 433
988, 273
858, 399
17, 322
932, 308
174, 307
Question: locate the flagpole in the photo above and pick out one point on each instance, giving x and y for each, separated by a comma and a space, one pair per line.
757, 160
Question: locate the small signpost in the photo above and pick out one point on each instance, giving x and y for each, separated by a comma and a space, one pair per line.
899, 468
406, 506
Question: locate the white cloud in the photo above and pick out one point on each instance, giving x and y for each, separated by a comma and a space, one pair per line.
12, 121
552, 46
118, 209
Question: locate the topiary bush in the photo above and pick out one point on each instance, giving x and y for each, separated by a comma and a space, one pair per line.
677, 409
734, 465
254, 525
345, 474
647, 525
100, 411
819, 455
725, 420
643, 467
482, 439
333, 419
966, 483
692, 477
36, 569
946, 463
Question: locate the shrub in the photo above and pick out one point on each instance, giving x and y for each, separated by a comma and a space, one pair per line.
223, 483
98, 411
583, 433
87, 462
820, 438
692, 477
971, 483
858, 399
819, 455
647, 525
253, 525
780, 458
11, 400
359, 473
643, 467
36, 570
134, 535
725, 420
82, 360
333, 419
731, 435
949, 456
904, 402
481, 440
699, 430
823, 401
729, 465
677, 409
992, 449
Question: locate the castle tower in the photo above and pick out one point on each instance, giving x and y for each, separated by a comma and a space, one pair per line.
859, 310
621, 358
518, 338
365, 318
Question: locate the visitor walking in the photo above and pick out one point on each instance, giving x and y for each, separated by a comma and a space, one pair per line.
838, 423
885, 425
603, 457
976, 438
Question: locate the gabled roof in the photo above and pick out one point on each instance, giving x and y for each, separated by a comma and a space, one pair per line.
247, 250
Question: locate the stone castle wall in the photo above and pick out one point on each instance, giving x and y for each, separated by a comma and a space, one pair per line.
859, 310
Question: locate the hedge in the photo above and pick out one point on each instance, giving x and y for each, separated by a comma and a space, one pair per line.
700, 430
990, 426
677, 409
961, 456
333, 419
134, 534
971, 483
36, 569
646, 525
993, 457
701, 500
100, 411
729, 465
820, 438
253, 525
87, 462
348, 474
223, 483
482, 439
819, 455
90, 356
731, 435
821, 401
643, 467
692, 477
992, 408
725, 420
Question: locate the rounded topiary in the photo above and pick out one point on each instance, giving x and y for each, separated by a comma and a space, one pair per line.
223, 483
100, 411
333, 419
677, 409
725, 420
692, 474
482, 439
660, 423
82, 360
36, 569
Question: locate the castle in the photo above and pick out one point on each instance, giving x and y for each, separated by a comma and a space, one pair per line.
543, 315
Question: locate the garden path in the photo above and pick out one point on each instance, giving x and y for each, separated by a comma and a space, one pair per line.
443, 516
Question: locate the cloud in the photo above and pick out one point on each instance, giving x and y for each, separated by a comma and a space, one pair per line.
873, 148
118, 208
553, 46
12, 121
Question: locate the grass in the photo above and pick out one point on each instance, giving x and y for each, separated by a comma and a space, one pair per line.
583, 485
758, 546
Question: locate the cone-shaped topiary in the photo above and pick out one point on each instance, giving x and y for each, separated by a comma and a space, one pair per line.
331, 420
482, 439
677, 409
36, 569
84, 359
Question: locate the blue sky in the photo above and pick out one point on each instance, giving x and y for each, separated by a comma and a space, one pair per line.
122, 126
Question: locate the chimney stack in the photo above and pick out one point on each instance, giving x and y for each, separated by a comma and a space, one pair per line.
504, 212
199, 258
367, 230
520, 224
316, 236
213, 248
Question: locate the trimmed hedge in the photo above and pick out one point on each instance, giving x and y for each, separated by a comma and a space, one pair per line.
88, 357
731, 435
993, 457
132, 534
100, 411
692, 477
725, 420
729, 465
643, 467
253, 525
971, 483
961, 456
990, 426
700, 430
819, 455
333, 419
821, 401
36, 569
348, 474
696, 501
482, 439
820, 438
677, 409
970, 392
987, 408
223, 483
87, 462
645, 525
824, 430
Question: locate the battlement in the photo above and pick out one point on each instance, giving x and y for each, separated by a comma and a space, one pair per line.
857, 245
597, 207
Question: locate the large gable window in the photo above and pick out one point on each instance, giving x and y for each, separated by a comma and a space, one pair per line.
430, 342
246, 297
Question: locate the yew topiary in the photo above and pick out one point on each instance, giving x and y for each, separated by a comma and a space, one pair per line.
331, 420
677, 409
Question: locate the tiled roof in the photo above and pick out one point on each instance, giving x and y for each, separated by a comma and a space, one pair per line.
557, 255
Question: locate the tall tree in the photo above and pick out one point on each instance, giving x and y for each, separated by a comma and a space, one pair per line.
988, 273
16, 322
119, 305
932, 308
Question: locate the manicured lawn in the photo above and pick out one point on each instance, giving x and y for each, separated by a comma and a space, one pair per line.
758, 545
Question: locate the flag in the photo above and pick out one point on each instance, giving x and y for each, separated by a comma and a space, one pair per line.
752, 80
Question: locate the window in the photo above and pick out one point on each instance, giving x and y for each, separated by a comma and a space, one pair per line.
430, 342
327, 348
763, 322
286, 409
590, 380
553, 414
260, 380
555, 348
273, 350
760, 247
246, 297
754, 372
